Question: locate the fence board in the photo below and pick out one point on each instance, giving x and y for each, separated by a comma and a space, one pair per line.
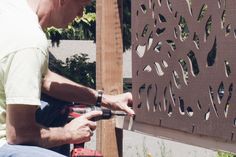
109, 71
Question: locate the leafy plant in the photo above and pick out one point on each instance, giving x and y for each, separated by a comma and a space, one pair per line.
127, 24
84, 28
80, 29
76, 68
225, 154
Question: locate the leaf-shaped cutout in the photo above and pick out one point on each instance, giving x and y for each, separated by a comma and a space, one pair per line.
170, 110
184, 31
176, 79
181, 106
162, 18
148, 68
145, 30
184, 70
228, 29
159, 31
220, 92
159, 69
202, 12
189, 111
226, 110
211, 57
227, 69
141, 90
207, 114
140, 50
149, 89
158, 47
199, 105
223, 17
171, 43
208, 27
194, 63
189, 2
196, 40
143, 8
169, 3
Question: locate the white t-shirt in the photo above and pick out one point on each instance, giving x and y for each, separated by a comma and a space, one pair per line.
19, 22
20, 31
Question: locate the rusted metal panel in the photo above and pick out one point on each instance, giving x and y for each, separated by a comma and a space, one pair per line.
184, 54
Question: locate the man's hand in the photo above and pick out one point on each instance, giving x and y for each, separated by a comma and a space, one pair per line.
121, 102
81, 129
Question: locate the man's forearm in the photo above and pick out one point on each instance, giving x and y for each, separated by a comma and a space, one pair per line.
64, 89
61, 88
22, 128
51, 137
44, 137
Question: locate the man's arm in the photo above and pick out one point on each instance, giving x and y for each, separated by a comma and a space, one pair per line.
64, 89
23, 129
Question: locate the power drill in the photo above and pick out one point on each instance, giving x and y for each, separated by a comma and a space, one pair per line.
106, 113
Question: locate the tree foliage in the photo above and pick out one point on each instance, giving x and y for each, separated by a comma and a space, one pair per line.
126, 24
84, 28
76, 68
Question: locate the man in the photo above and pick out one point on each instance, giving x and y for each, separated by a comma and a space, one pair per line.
24, 72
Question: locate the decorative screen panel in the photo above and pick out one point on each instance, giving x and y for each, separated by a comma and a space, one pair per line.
184, 62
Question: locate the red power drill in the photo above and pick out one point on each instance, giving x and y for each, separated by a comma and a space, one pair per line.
79, 150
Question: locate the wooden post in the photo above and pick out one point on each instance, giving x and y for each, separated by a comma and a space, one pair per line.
109, 73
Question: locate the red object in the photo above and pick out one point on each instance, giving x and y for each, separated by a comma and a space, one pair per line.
74, 114
83, 152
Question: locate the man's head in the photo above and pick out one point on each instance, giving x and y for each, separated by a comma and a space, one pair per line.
57, 13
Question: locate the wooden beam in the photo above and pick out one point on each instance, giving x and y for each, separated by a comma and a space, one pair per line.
108, 69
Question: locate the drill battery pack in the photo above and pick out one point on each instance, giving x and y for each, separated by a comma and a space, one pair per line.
83, 152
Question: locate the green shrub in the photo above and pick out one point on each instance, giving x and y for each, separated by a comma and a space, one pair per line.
225, 154
76, 68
